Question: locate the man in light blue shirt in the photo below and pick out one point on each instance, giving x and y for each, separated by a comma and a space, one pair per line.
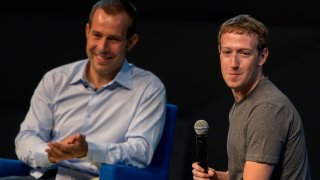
97, 110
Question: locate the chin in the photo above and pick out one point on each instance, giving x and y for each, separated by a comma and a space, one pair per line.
233, 85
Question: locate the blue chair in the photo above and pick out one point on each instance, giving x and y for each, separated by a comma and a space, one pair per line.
159, 166
157, 170
13, 167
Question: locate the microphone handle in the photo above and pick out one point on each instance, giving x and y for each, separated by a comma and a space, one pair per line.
202, 151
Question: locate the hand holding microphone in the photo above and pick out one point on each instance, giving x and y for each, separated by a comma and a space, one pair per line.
201, 128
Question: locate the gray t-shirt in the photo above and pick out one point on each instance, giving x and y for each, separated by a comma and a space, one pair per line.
265, 127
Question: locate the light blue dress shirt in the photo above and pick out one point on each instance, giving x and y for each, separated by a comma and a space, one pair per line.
122, 121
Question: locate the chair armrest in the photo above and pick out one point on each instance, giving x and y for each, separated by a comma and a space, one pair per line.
13, 167
124, 172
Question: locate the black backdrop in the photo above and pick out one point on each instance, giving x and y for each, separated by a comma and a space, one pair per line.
178, 43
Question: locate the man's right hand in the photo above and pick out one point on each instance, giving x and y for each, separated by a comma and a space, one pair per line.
199, 174
74, 146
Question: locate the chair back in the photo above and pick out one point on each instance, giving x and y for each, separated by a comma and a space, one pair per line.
13, 167
162, 155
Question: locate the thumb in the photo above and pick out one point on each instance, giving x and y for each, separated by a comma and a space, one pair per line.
211, 172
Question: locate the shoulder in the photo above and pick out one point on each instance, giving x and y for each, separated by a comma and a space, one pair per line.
64, 74
269, 105
143, 77
66, 69
268, 94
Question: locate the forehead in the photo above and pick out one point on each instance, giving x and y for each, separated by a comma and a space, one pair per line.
115, 24
102, 17
237, 40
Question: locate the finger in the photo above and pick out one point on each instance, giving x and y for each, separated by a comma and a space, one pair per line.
51, 156
79, 136
57, 151
199, 174
53, 153
196, 166
71, 139
211, 172
56, 145
53, 160
197, 178
68, 140
61, 147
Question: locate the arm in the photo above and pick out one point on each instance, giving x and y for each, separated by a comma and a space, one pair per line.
143, 118
198, 173
255, 170
35, 130
266, 135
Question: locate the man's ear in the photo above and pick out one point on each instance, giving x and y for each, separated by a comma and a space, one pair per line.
87, 30
132, 42
263, 56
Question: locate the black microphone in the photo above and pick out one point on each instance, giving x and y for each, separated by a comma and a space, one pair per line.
201, 128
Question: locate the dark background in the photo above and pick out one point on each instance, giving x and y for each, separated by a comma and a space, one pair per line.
178, 41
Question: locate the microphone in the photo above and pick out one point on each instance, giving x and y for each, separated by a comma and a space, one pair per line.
201, 128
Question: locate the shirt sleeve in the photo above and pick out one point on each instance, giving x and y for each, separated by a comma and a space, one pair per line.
266, 133
35, 130
143, 135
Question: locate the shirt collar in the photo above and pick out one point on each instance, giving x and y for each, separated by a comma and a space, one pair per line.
124, 76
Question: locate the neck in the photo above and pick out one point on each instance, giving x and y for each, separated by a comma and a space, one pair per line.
240, 95
97, 79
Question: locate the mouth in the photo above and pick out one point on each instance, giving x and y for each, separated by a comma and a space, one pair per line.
234, 74
103, 59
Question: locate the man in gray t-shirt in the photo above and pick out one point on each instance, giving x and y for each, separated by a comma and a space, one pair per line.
265, 138
265, 127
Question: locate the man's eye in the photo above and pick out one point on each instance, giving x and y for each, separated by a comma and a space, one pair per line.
114, 40
226, 52
245, 53
96, 35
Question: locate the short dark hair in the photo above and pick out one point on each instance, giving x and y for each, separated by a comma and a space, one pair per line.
118, 6
245, 24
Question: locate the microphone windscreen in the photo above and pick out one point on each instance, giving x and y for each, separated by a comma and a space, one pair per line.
201, 127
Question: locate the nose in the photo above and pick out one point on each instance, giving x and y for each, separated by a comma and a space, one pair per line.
103, 45
234, 61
